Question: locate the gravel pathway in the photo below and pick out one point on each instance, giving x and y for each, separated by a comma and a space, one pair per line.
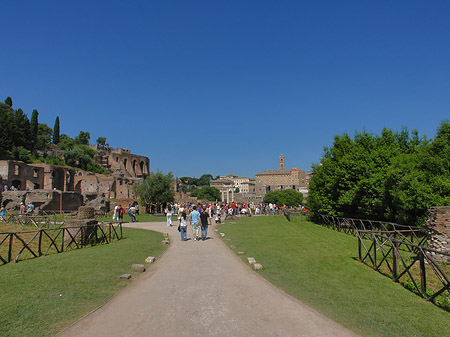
202, 289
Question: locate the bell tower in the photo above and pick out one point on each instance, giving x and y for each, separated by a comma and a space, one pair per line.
281, 163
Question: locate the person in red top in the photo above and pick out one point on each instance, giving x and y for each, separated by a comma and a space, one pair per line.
233, 206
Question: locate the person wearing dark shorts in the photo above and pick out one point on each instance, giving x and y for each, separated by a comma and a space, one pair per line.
205, 220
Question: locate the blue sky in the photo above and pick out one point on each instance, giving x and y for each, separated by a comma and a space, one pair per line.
224, 87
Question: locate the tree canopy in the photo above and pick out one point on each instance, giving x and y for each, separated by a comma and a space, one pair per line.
156, 188
206, 193
289, 198
395, 176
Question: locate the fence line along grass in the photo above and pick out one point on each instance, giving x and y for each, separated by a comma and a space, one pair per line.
143, 217
40, 297
321, 268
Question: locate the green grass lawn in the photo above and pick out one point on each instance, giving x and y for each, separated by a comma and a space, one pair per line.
42, 296
321, 268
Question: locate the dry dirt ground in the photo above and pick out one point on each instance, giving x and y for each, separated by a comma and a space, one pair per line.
202, 289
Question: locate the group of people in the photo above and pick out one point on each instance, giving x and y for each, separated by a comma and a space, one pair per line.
132, 210
199, 220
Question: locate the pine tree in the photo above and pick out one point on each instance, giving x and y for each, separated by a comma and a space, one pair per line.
56, 131
8, 101
34, 126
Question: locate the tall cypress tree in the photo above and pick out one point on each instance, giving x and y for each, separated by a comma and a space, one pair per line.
34, 127
56, 131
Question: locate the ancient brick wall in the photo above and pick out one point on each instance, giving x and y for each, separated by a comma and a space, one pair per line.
439, 229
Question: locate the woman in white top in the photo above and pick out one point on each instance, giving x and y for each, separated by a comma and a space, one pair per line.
183, 226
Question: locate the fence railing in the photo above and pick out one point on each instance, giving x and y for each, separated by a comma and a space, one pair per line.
419, 265
16, 246
411, 234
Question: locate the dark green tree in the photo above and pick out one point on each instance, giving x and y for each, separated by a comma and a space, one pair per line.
21, 135
65, 142
101, 140
56, 131
206, 193
156, 188
6, 130
289, 198
83, 138
44, 137
34, 126
9, 102
79, 156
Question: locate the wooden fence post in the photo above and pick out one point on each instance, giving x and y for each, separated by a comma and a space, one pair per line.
359, 246
423, 275
10, 247
394, 257
374, 251
40, 243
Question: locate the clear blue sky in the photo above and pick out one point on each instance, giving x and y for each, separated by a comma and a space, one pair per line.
224, 87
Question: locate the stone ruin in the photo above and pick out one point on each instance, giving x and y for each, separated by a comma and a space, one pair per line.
438, 224
86, 220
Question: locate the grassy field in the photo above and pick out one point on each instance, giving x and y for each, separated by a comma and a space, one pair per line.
320, 267
42, 296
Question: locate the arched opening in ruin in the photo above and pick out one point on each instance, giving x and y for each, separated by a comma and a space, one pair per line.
134, 166
58, 178
16, 184
125, 163
141, 165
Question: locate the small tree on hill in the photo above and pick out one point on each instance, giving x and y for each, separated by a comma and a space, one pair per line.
56, 131
34, 127
9, 102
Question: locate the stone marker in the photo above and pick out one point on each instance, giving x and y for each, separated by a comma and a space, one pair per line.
125, 276
166, 241
150, 259
257, 266
216, 230
241, 253
222, 234
251, 260
138, 267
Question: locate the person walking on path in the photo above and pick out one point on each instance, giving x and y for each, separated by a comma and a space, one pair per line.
132, 213
204, 218
183, 226
169, 215
194, 220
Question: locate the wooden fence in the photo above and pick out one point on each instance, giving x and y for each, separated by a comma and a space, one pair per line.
389, 253
412, 234
16, 246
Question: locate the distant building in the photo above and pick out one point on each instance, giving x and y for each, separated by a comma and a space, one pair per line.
283, 179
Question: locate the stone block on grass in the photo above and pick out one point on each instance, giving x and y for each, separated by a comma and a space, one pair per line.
257, 266
222, 234
138, 267
241, 253
251, 260
150, 259
125, 276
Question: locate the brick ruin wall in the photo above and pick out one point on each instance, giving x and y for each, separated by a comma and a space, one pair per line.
438, 224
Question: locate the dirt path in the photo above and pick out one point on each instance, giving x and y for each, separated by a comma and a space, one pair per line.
202, 289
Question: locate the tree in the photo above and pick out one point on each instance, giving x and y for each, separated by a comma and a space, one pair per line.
83, 138
79, 156
56, 131
34, 126
65, 142
289, 198
6, 131
44, 137
9, 102
206, 193
156, 188
204, 180
20, 130
101, 140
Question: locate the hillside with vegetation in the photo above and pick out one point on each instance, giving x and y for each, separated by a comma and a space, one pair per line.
29, 141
